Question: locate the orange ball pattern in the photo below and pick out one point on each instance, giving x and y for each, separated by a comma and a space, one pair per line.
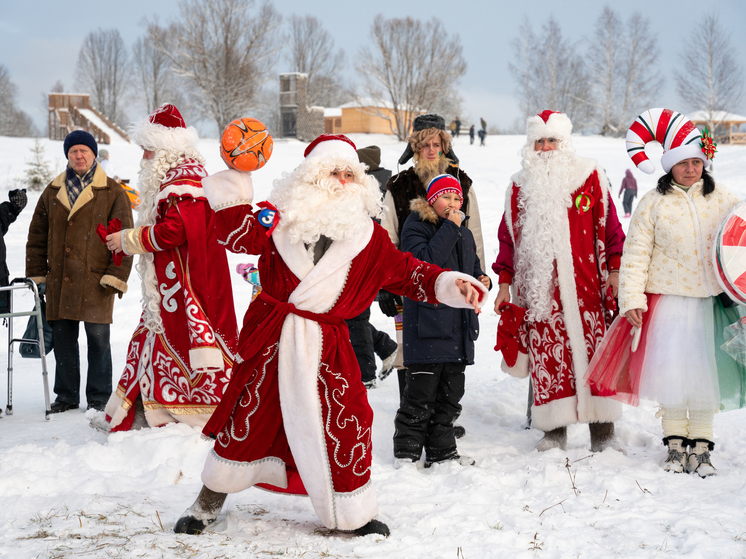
246, 144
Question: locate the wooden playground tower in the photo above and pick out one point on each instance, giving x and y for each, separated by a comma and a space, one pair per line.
68, 112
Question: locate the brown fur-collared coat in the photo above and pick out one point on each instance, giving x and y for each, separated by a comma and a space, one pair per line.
64, 251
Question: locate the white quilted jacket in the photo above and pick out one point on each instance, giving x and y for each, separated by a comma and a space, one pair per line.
669, 245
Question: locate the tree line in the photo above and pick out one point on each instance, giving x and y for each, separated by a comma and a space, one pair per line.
605, 81
216, 60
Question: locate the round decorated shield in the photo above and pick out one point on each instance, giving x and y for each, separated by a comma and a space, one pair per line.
730, 254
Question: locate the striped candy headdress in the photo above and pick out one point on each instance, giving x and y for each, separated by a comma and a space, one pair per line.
676, 133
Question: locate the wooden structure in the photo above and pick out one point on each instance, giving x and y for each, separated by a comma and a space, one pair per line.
298, 120
729, 128
363, 116
67, 112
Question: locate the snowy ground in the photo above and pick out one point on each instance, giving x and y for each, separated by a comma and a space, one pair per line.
69, 491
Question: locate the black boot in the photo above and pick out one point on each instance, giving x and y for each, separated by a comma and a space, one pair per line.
202, 513
373, 527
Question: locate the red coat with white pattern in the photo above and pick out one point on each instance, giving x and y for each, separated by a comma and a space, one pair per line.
560, 348
296, 417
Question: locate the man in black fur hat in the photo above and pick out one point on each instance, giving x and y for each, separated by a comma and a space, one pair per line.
430, 146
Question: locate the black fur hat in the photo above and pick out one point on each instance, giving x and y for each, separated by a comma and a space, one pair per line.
423, 122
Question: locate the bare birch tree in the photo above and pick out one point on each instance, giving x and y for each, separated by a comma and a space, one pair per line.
560, 78
410, 66
709, 77
103, 69
311, 51
13, 121
153, 69
225, 51
622, 66
525, 54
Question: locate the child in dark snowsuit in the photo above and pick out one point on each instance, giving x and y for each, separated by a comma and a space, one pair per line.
438, 340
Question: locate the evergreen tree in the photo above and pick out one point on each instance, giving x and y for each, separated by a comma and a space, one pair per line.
38, 173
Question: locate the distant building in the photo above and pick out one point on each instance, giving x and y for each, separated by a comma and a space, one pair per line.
298, 120
73, 111
729, 128
363, 116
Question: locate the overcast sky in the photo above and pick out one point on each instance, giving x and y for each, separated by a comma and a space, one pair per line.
39, 41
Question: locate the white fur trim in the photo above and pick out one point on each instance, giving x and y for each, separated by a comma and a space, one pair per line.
557, 413
155, 136
228, 188
336, 147
676, 155
558, 126
520, 369
449, 294
206, 359
115, 408
226, 476
299, 361
180, 190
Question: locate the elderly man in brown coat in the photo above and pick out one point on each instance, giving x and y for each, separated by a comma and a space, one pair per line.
65, 253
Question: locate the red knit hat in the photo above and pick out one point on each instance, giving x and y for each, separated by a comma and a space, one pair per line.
441, 185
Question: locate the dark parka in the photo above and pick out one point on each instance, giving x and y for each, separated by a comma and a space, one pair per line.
8, 214
64, 250
436, 333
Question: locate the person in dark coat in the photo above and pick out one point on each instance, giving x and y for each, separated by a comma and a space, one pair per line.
472, 129
430, 146
64, 252
366, 340
438, 340
8, 213
629, 188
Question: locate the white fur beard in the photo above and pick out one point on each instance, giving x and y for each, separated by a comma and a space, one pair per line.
546, 187
312, 204
149, 183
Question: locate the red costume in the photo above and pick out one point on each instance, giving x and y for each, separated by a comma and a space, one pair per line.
295, 417
180, 357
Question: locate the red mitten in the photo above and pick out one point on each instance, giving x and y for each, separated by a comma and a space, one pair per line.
114, 226
508, 340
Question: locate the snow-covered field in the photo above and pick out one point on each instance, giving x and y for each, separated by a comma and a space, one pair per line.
69, 491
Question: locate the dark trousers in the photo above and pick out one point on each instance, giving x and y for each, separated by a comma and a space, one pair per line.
67, 357
367, 342
629, 196
427, 411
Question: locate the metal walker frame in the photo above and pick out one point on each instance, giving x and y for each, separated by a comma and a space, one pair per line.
16, 284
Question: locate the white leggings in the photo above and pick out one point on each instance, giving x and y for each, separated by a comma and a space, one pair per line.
697, 426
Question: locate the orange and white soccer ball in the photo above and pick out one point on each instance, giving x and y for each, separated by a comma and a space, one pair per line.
246, 144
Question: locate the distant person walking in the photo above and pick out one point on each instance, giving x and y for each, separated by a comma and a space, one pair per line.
629, 188
472, 131
458, 126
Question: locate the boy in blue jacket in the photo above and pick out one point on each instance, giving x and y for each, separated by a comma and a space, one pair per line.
438, 340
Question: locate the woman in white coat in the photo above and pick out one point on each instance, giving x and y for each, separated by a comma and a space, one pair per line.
669, 293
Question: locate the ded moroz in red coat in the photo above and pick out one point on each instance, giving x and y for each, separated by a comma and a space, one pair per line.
182, 368
296, 418
560, 349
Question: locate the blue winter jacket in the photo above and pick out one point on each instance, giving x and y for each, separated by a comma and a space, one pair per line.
437, 333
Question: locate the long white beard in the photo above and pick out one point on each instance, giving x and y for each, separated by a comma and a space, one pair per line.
149, 180
547, 183
312, 204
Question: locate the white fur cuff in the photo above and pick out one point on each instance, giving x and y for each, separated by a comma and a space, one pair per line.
206, 359
228, 188
448, 293
520, 369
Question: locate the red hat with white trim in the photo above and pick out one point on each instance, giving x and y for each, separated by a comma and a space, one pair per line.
676, 133
328, 144
548, 124
164, 129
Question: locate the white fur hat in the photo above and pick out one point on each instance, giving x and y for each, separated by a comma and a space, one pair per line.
548, 124
336, 144
164, 129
